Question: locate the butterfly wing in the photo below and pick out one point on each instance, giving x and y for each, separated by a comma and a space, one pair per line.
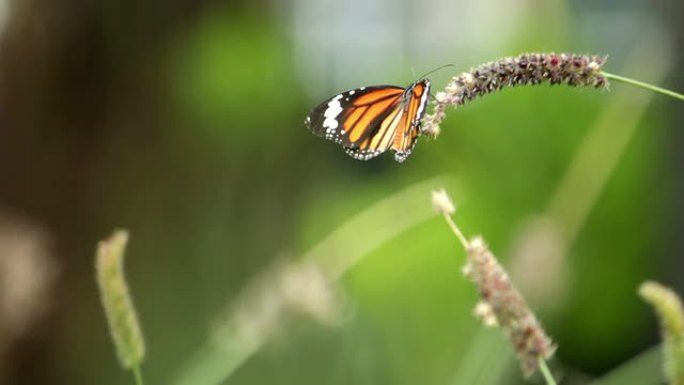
406, 134
382, 136
366, 121
350, 117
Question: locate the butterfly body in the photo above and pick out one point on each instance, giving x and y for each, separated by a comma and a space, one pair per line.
368, 121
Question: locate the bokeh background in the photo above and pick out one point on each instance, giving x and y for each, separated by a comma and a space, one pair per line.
182, 121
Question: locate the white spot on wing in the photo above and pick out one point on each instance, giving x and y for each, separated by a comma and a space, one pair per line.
331, 113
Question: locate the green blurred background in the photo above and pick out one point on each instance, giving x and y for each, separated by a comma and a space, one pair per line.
182, 122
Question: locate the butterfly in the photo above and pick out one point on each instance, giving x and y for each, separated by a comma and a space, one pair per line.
368, 121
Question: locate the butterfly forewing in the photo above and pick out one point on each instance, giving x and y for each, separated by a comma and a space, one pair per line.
337, 117
370, 120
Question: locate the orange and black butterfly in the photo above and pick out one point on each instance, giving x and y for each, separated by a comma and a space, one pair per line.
368, 121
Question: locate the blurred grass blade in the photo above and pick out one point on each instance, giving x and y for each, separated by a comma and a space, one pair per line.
644, 369
346, 246
214, 364
223, 354
486, 360
606, 141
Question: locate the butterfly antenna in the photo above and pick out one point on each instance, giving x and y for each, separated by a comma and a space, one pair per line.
436, 69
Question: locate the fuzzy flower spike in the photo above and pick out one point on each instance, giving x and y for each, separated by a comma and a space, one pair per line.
530, 68
669, 309
501, 304
118, 305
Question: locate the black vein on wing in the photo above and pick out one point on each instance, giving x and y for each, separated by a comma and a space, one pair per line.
372, 128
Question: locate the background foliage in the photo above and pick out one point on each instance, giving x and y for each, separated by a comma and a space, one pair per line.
182, 122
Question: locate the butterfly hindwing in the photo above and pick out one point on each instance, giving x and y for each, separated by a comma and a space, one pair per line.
409, 127
370, 120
